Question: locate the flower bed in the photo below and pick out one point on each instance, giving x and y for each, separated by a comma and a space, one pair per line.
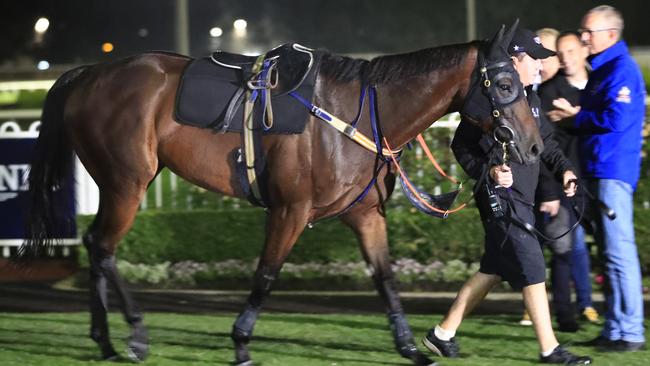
236, 274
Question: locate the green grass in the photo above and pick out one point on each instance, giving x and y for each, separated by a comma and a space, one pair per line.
56, 339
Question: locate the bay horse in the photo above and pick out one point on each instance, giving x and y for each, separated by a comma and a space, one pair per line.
118, 118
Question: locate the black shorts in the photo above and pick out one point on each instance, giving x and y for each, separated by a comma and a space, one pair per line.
510, 250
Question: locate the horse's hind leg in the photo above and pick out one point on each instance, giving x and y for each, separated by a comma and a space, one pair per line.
114, 218
370, 228
283, 227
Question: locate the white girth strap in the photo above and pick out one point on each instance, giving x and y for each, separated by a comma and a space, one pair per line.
249, 145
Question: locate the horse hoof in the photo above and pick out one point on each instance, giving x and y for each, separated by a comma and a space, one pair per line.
137, 352
421, 359
243, 363
412, 353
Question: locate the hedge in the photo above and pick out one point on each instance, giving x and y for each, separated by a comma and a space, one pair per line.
219, 235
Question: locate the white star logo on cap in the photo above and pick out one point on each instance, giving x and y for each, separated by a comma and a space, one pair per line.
516, 48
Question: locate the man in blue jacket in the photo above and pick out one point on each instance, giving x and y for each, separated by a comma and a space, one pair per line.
610, 122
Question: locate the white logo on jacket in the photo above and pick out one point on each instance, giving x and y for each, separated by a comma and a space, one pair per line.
535, 111
624, 95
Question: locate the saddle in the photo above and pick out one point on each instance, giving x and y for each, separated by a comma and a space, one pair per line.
292, 63
212, 89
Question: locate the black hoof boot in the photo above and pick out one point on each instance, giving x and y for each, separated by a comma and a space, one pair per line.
421, 359
138, 344
137, 351
404, 340
408, 350
242, 357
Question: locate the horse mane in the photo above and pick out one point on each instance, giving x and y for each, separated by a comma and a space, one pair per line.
384, 69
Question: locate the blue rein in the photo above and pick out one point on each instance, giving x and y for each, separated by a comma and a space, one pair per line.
443, 201
375, 133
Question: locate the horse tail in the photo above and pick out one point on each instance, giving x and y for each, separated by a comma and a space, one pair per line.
51, 165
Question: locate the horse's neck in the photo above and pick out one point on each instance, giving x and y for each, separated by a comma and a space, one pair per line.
424, 99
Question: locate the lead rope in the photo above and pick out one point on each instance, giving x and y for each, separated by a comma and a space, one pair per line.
415, 192
526, 225
433, 161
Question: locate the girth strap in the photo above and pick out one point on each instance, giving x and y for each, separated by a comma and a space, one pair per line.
260, 67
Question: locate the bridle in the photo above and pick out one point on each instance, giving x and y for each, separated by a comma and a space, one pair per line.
502, 132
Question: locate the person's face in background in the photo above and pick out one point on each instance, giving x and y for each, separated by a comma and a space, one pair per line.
550, 65
572, 54
598, 34
528, 68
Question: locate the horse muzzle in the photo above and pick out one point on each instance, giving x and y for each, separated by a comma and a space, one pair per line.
506, 136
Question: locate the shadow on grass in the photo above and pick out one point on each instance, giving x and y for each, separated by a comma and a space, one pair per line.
221, 342
43, 317
225, 338
328, 320
70, 344
27, 335
41, 348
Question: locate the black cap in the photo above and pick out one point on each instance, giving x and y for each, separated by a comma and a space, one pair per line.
525, 40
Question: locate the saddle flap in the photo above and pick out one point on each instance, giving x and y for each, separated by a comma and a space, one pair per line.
292, 65
233, 60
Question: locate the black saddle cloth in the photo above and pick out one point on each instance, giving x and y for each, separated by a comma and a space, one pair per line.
209, 84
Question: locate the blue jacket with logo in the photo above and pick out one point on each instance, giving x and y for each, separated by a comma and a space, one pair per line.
611, 118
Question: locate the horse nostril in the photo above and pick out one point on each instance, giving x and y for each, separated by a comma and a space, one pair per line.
534, 150
503, 134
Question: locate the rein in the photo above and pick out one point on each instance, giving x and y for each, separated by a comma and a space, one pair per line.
438, 206
421, 200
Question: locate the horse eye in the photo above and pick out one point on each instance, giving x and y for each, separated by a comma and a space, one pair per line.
504, 87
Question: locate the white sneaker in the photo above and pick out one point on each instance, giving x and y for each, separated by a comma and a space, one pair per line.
525, 320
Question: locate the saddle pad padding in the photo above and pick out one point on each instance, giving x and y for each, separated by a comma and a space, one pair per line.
207, 88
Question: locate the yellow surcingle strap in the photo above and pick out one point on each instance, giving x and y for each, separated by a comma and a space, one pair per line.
249, 146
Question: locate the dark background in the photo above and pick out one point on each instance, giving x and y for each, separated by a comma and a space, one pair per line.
79, 27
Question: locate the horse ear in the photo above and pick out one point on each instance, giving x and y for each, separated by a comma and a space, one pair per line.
496, 40
507, 38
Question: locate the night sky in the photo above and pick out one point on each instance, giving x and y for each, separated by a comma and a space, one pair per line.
79, 27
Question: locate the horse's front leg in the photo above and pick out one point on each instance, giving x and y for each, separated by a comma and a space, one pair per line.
370, 228
283, 227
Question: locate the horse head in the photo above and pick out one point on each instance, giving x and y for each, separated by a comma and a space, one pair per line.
496, 101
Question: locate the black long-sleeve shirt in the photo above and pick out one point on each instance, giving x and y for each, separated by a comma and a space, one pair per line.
563, 132
471, 148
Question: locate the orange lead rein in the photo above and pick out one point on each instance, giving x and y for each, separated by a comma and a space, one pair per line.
414, 191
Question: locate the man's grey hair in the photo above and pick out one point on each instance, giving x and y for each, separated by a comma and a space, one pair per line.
611, 15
